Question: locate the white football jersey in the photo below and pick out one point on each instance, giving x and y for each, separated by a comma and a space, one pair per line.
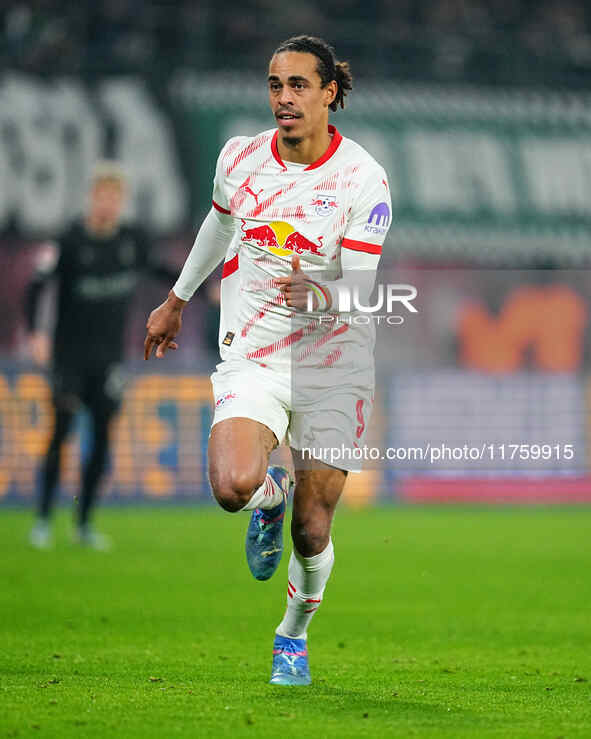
341, 201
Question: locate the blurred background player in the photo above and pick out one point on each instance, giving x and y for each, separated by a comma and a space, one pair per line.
96, 267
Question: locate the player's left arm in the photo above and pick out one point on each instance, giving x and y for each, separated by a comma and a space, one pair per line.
361, 248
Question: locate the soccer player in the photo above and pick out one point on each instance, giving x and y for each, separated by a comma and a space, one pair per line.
294, 363
97, 266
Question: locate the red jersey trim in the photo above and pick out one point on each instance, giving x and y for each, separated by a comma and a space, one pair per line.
333, 146
361, 246
275, 150
230, 266
219, 207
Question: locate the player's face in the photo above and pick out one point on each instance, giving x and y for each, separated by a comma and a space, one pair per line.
107, 199
298, 101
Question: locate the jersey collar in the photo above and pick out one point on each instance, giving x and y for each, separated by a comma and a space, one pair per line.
332, 147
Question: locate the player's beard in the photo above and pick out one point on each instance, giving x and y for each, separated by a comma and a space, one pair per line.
292, 141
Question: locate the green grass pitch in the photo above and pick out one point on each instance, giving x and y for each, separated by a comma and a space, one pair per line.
437, 622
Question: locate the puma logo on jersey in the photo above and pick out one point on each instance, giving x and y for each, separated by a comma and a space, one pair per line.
249, 191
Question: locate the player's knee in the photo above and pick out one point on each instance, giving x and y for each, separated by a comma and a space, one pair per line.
234, 488
310, 534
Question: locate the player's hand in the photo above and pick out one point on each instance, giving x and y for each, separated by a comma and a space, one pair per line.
296, 286
40, 348
164, 323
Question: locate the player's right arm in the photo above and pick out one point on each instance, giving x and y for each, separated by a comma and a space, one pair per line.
209, 248
46, 269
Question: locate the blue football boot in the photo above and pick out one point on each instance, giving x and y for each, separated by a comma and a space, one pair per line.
290, 662
264, 537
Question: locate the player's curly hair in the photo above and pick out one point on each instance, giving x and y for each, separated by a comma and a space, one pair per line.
328, 67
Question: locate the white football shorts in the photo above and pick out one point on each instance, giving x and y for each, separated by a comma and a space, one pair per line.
326, 423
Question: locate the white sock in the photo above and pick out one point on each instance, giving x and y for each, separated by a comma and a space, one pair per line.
307, 578
268, 495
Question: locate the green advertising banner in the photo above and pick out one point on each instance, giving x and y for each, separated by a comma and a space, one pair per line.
499, 176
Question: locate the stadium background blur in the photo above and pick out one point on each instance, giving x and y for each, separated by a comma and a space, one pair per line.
480, 113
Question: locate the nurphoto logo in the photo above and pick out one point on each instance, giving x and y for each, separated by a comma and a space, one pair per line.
388, 297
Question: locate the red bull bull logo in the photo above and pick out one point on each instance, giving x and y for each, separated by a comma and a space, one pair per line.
282, 239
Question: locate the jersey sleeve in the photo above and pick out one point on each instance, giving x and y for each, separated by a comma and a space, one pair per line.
370, 218
215, 234
210, 247
220, 199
